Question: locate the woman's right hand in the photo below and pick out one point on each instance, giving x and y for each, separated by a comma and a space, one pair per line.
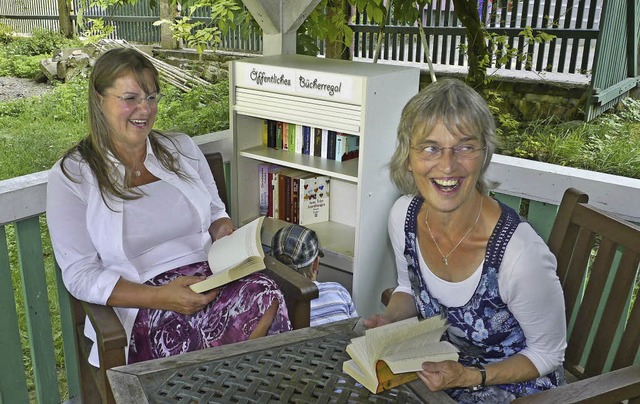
177, 296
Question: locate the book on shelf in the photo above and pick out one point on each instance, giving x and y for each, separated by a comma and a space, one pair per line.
299, 142
317, 142
278, 135
264, 183
348, 148
306, 138
313, 203
285, 136
295, 194
324, 143
274, 207
390, 355
234, 256
265, 132
331, 145
271, 133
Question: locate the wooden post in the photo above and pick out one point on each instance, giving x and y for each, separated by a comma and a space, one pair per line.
64, 14
167, 12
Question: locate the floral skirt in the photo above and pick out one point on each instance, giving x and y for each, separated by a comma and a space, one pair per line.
231, 317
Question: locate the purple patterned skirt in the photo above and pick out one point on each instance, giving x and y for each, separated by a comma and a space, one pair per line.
231, 317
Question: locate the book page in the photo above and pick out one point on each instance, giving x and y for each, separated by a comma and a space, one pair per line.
233, 249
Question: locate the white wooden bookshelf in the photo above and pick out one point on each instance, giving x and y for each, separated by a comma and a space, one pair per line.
367, 102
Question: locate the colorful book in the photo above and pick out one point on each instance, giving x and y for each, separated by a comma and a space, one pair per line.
299, 142
306, 138
317, 142
314, 199
285, 136
292, 137
295, 194
278, 135
325, 143
271, 133
349, 147
264, 181
331, 145
265, 132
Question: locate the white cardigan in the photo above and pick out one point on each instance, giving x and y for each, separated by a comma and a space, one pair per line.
87, 235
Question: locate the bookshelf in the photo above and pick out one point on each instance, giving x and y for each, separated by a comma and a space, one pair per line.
354, 98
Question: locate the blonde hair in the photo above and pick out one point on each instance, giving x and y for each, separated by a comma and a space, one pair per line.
460, 109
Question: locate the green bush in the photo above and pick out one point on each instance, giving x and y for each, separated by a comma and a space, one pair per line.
42, 42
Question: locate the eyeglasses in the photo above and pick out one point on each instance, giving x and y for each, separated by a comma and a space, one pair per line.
462, 152
131, 100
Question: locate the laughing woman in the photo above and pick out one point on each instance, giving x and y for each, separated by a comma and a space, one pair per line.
132, 213
461, 254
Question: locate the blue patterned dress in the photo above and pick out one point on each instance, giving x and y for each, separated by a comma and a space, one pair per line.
484, 329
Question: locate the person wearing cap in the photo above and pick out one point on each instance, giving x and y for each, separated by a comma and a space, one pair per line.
297, 247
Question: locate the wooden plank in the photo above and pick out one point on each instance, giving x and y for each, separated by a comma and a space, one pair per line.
541, 216
13, 381
34, 288
68, 336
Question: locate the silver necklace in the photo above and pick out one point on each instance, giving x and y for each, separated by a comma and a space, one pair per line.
445, 258
136, 173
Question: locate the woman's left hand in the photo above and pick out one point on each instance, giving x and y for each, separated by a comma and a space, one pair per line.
221, 228
447, 374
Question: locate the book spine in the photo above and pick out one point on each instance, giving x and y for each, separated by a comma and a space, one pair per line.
287, 198
295, 199
279, 135
306, 138
340, 146
299, 141
285, 136
325, 143
271, 134
265, 132
275, 193
281, 197
317, 142
292, 138
331, 145
352, 148
263, 178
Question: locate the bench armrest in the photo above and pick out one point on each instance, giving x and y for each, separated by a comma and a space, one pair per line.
298, 291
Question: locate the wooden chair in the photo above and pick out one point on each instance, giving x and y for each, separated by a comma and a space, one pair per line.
598, 262
111, 338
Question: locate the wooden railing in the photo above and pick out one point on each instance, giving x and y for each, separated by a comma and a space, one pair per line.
538, 186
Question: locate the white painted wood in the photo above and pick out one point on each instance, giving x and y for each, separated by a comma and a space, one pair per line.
23, 197
357, 98
546, 182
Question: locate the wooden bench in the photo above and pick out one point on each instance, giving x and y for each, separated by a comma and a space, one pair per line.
111, 337
598, 261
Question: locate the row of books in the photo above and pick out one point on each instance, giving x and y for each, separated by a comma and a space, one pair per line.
293, 195
317, 142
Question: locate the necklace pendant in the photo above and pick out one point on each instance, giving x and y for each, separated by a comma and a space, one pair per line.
137, 173
446, 261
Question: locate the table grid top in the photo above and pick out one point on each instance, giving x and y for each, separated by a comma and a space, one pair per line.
309, 371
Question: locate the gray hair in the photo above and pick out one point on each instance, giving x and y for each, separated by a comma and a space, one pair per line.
460, 109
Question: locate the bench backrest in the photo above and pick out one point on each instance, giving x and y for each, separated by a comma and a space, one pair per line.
598, 257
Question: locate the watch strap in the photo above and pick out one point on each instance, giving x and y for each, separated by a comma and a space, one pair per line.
483, 375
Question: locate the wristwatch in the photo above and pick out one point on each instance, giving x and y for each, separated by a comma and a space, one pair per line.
483, 374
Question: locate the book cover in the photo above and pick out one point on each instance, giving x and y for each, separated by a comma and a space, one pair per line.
299, 130
234, 256
271, 133
390, 355
317, 142
314, 199
331, 145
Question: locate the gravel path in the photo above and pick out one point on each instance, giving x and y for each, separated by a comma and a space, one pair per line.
12, 88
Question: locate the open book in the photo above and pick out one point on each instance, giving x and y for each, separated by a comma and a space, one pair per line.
390, 355
234, 256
